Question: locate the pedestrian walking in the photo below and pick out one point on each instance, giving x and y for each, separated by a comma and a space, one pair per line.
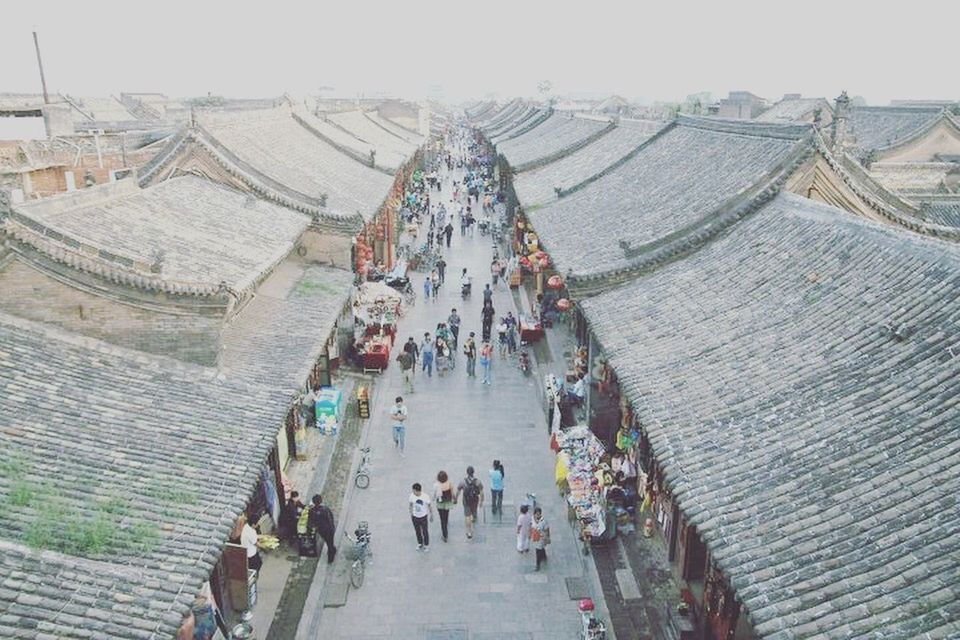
427, 287
486, 318
453, 322
511, 332
426, 355
410, 346
443, 355
289, 514
486, 361
496, 488
470, 491
420, 510
524, 522
398, 416
470, 350
495, 271
322, 523
435, 277
448, 231
487, 294
405, 358
502, 338
444, 498
442, 268
540, 536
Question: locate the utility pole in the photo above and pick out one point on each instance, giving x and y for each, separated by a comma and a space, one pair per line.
43, 80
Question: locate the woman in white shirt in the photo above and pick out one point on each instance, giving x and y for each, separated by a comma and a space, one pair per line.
248, 540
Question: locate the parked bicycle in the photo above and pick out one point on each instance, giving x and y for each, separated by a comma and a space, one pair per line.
362, 477
361, 546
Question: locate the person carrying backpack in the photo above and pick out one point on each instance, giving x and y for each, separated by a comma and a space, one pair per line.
471, 491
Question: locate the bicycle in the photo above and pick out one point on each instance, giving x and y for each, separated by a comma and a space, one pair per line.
362, 478
409, 297
361, 540
532, 501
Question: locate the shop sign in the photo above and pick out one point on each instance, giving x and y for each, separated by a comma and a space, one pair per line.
363, 403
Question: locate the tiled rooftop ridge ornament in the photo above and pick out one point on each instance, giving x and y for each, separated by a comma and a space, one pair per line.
841, 112
157, 265
323, 199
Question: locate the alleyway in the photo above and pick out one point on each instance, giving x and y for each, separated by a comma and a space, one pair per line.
461, 589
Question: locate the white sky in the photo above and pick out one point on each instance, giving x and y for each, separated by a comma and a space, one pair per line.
648, 50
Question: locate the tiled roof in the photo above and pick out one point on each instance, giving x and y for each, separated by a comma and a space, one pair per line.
499, 115
944, 211
388, 145
276, 145
671, 188
98, 109
207, 233
881, 127
800, 382
793, 110
522, 119
293, 313
558, 133
911, 177
342, 139
399, 131
122, 475
536, 186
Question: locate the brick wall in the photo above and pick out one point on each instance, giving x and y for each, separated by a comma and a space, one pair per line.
32, 294
326, 248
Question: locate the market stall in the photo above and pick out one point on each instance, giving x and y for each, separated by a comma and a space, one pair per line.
376, 308
580, 474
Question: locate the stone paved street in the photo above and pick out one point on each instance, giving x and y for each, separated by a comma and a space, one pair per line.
480, 588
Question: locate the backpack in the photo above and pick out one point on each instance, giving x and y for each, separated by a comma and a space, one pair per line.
471, 490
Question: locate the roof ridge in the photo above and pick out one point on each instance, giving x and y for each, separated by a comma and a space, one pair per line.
368, 162
921, 130
698, 233
569, 149
888, 211
393, 133
622, 161
100, 262
789, 131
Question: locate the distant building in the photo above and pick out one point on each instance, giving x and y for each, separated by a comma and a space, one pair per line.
741, 105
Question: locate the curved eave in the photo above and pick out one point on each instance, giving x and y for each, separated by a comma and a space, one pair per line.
257, 182
919, 132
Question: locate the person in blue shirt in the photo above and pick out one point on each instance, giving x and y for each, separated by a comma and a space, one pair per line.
496, 488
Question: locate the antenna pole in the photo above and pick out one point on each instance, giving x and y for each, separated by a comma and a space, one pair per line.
43, 80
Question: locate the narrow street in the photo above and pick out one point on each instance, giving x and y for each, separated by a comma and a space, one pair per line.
460, 589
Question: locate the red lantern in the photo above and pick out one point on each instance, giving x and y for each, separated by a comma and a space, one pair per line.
554, 282
563, 304
544, 262
541, 255
525, 261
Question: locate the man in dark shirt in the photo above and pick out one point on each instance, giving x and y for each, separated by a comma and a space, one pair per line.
321, 522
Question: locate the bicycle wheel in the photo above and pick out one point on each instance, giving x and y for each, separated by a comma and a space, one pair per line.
362, 481
356, 573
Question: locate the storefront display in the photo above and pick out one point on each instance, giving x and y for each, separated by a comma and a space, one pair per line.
578, 465
328, 410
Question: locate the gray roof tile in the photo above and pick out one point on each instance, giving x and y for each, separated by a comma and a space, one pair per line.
536, 187
207, 233
558, 132
145, 462
675, 182
276, 145
794, 426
